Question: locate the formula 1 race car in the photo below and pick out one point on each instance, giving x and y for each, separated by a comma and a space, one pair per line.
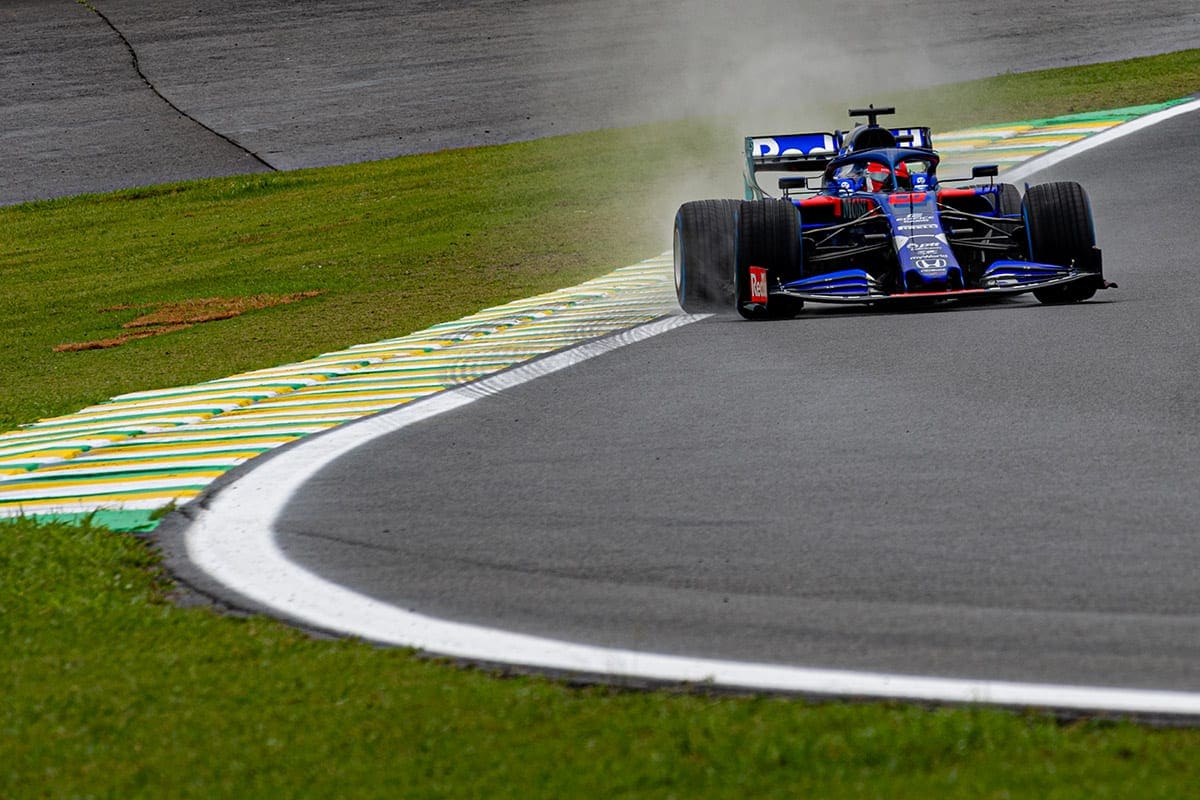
879, 227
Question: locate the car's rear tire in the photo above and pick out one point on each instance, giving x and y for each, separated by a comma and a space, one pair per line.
768, 238
1058, 223
1008, 200
705, 235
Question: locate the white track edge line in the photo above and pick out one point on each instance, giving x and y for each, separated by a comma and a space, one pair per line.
1054, 157
231, 539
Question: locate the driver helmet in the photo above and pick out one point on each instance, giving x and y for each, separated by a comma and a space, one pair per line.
876, 176
903, 178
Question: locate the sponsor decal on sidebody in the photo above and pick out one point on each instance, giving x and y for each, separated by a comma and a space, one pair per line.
758, 285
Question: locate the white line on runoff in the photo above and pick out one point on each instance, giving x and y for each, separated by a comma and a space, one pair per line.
1054, 157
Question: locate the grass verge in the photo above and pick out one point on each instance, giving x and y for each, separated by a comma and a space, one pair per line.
111, 689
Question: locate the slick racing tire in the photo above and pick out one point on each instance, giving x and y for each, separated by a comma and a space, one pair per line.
1058, 222
768, 239
705, 232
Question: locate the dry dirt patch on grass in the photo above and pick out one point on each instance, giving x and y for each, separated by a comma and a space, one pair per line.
168, 317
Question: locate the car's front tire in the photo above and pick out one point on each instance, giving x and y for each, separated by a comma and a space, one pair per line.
1058, 223
769, 241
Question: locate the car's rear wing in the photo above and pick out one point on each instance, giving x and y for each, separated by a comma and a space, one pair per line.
812, 152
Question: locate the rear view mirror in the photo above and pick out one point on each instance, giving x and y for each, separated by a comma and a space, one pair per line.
793, 183
987, 171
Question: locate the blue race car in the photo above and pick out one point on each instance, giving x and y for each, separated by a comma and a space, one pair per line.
879, 227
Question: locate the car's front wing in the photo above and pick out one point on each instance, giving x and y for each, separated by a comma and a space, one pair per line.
1001, 278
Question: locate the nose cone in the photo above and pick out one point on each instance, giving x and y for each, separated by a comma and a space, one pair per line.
933, 275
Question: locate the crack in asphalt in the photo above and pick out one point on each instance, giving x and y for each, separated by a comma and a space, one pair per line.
146, 79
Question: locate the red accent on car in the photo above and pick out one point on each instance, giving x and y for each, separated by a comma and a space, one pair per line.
946, 293
823, 200
908, 197
758, 285
956, 193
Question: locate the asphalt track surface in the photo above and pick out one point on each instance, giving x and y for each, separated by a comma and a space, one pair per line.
1004, 492
230, 87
